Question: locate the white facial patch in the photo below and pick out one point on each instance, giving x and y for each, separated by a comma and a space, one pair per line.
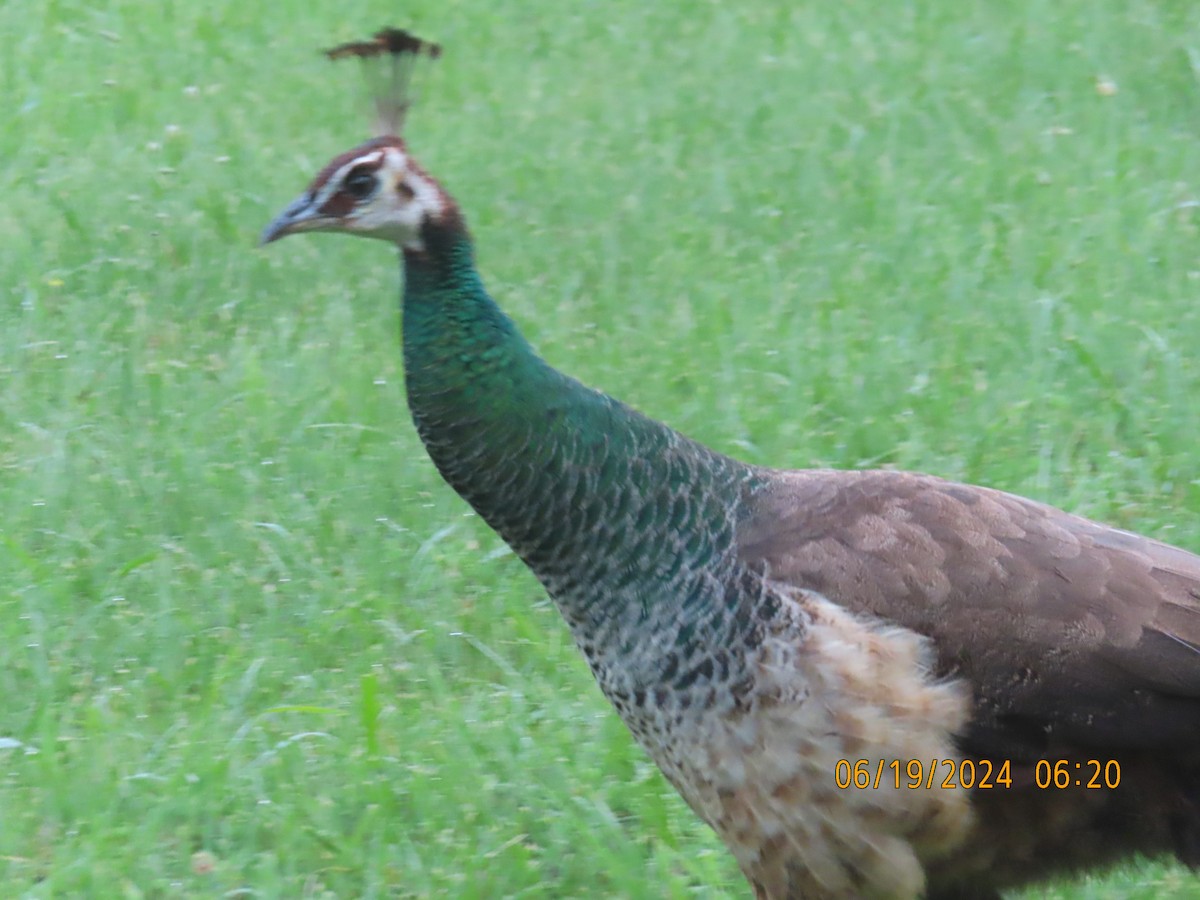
412, 206
403, 200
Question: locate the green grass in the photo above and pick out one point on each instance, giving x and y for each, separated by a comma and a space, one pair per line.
254, 647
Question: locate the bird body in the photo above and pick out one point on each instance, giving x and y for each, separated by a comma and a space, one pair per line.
746, 691
755, 628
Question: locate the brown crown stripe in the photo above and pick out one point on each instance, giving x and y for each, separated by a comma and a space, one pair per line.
340, 160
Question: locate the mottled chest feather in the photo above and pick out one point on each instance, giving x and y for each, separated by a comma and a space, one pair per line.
753, 745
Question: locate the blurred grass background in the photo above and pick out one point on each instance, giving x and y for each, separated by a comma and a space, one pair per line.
254, 647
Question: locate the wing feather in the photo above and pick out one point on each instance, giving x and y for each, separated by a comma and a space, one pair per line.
1070, 633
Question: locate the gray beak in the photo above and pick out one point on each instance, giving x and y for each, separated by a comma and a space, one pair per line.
299, 216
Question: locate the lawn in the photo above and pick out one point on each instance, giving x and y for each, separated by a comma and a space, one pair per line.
253, 647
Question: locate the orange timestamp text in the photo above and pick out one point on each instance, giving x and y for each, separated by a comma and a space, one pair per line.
974, 774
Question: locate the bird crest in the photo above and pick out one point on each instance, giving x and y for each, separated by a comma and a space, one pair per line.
388, 59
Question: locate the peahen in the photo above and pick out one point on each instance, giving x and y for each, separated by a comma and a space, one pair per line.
762, 631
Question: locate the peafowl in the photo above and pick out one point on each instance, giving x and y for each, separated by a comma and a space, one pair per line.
795, 648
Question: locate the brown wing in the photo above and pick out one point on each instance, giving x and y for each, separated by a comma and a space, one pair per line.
1071, 633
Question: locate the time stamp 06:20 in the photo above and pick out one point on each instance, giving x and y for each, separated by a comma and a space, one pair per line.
968, 774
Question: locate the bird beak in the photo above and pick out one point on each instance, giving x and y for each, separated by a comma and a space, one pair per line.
300, 215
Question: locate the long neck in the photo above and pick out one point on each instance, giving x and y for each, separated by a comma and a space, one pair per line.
624, 520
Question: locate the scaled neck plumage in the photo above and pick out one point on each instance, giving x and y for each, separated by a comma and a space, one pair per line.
624, 520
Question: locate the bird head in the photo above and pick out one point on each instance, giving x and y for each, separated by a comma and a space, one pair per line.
376, 189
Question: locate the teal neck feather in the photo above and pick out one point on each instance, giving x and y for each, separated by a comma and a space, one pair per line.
625, 521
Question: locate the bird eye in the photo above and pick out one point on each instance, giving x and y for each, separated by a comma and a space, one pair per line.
359, 184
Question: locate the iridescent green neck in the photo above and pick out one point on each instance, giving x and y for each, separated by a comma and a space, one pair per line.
616, 513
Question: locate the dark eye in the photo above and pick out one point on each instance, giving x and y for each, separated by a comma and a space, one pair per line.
359, 184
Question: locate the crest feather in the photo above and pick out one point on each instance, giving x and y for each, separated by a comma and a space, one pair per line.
390, 57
